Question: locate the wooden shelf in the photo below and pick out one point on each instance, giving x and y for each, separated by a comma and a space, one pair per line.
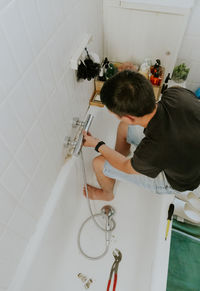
95, 99
99, 84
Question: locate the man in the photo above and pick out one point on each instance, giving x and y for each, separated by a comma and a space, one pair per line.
167, 136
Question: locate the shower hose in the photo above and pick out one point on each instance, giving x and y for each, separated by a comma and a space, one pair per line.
110, 223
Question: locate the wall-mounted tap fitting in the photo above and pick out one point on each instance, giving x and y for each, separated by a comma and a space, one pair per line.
73, 145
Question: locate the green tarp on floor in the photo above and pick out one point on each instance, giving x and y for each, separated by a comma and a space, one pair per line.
184, 260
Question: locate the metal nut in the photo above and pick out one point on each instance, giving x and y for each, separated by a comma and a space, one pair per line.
87, 285
82, 277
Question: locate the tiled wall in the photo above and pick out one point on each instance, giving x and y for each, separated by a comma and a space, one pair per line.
190, 51
39, 96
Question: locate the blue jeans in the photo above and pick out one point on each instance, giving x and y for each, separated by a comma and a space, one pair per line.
158, 185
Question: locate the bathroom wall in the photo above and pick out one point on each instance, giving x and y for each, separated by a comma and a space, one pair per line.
39, 96
190, 51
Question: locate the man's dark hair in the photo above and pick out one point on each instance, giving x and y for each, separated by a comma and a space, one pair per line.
128, 93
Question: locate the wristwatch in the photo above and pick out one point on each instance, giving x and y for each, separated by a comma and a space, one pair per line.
100, 143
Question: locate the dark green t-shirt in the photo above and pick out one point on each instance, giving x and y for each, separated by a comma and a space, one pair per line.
172, 141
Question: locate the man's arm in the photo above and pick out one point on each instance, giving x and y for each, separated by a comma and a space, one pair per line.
116, 159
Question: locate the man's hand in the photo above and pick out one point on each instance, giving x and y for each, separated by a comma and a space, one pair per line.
116, 159
89, 140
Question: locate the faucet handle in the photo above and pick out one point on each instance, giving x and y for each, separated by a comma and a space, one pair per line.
76, 122
69, 142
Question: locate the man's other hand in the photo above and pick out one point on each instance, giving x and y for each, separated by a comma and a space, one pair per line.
89, 140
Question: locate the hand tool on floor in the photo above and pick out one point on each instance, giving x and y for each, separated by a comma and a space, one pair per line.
170, 213
118, 256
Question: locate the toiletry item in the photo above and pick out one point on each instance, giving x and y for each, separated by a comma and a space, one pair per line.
197, 93
155, 79
156, 68
156, 72
145, 68
101, 75
111, 71
103, 69
87, 69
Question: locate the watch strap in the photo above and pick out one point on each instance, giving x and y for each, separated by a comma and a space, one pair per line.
98, 145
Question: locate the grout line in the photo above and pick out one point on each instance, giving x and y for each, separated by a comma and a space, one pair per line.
6, 6
35, 57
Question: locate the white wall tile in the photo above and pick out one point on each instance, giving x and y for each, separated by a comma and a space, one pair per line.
51, 17
22, 104
37, 140
69, 84
69, 108
3, 3
22, 223
39, 96
31, 19
7, 205
45, 72
35, 88
56, 106
2, 228
14, 180
56, 54
5, 156
193, 25
189, 51
2, 93
58, 10
48, 125
42, 179
186, 47
31, 200
9, 73
17, 37
69, 6
26, 158
195, 52
10, 128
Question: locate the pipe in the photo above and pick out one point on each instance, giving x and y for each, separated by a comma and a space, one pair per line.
79, 141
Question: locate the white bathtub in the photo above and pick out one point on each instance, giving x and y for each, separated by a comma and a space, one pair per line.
52, 259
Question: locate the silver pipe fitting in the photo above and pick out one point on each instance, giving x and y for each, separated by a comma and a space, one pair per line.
85, 127
74, 146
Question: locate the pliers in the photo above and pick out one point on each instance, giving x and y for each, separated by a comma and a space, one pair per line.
118, 256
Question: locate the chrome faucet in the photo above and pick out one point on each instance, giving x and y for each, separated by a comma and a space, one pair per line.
74, 146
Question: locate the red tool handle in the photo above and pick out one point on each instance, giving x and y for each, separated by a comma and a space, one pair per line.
115, 282
108, 287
